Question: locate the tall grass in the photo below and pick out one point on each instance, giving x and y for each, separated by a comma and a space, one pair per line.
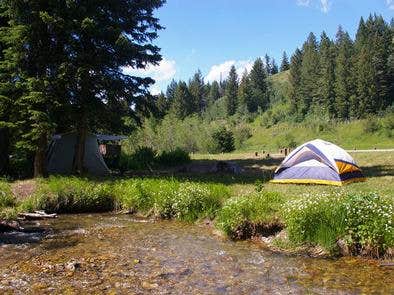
70, 195
169, 198
363, 221
243, 217
316, 219
6, 197
161, 198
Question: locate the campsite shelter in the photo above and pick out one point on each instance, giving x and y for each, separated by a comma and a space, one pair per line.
61, 153
318, 162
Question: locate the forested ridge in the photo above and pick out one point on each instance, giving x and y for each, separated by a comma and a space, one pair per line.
335, 79
326, 82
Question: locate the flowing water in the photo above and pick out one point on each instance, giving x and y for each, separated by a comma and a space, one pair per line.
115, 254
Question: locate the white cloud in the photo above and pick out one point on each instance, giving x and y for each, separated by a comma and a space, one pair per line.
164, 71
390, 4
303, 2
325, 5
221, 71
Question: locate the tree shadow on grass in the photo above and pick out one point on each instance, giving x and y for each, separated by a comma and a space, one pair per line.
378, 170
252, 170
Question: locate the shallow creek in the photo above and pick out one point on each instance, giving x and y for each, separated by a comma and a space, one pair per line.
116, 254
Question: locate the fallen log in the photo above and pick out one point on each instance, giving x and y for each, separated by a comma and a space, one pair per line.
37, 215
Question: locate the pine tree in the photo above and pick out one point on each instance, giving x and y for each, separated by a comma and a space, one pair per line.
196, 89
103, 37
268, 64
259, 87
309, 75
244, 94
6, 104
231, 92
31, 60
372, 73
324, 105
274, 67
284, 66
390, 65
162, 105
295, 81
182, 104
170, 92
344, 89
214, 93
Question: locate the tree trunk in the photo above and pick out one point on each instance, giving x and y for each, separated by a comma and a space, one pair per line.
79, 154
39, 157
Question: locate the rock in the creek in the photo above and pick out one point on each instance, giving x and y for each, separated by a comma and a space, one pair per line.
72, 265
149, 286
343, 247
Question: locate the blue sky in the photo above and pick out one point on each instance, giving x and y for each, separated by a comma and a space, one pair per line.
212, 35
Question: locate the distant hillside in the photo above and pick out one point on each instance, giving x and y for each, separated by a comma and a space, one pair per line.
359, 134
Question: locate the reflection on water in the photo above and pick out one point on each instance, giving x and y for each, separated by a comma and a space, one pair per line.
107, 253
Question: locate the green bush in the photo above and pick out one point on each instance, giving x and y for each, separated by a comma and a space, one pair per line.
241, 133
371, 125
242, 214
142, 158
388, 125
285, 141
224, 140
173, 158
369, 223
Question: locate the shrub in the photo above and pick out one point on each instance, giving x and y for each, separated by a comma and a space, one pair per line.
371, 125
369, 223
288, 140
242, 217
142, 158
241, 134
173, 158
388, 125
224, 140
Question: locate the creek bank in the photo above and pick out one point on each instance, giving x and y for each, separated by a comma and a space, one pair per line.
343, 224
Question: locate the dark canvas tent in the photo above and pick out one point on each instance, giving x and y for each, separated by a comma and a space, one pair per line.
61, 152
